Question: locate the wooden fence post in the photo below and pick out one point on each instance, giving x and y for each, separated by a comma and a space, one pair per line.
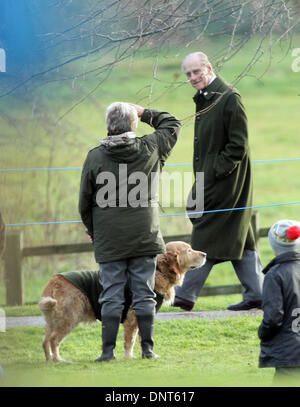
14, 279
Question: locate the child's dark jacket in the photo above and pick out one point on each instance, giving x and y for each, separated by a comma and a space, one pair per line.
280, 329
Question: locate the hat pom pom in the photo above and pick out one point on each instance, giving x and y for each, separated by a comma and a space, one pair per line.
293, 233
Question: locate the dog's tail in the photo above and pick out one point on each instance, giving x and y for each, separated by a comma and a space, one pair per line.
47, 304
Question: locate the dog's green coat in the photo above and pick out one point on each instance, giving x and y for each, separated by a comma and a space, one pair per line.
89, 284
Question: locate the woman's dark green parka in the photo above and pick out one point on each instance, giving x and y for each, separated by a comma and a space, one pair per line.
123, 231
221, 152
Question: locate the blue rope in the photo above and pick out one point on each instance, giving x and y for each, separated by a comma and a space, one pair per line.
165, 215
232, 209
276, 160
40, 169
166, 165
169, 214
44, 223
253, 162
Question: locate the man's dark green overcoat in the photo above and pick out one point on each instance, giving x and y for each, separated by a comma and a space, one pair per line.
221, 151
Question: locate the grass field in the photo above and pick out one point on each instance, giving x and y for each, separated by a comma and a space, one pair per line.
193, 353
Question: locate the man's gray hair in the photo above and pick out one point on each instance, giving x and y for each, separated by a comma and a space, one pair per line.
202, 58
120, 118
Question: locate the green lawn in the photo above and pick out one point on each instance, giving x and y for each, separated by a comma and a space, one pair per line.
222, 352
193, 353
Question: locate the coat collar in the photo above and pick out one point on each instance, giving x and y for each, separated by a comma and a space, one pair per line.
114, 141
211, 90
282, 258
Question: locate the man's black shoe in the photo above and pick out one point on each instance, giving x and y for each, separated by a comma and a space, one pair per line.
149, 355
105, 358
244, 306
183, 304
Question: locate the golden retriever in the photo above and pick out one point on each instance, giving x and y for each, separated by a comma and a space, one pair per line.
64, 305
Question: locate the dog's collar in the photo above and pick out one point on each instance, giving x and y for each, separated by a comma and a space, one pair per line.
159, 298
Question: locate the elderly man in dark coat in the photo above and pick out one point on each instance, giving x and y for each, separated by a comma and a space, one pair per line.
221, 152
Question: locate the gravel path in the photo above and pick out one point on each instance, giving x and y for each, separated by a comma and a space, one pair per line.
167, 316
161, 316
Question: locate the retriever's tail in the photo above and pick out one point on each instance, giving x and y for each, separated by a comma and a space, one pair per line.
47, 304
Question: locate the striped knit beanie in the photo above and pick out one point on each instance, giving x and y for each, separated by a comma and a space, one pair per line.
284, 236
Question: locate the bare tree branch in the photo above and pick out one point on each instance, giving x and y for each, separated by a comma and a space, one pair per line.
125, 27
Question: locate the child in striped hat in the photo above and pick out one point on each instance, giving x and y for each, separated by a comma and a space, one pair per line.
284, 236
279, 331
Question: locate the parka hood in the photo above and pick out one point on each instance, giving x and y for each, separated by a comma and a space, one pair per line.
123, 148
282, 258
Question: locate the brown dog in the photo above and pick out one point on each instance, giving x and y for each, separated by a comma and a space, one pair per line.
65, 305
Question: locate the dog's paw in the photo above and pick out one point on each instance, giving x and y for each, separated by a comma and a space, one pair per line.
60, 360
128, 355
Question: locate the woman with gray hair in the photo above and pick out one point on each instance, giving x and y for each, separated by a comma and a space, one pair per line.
120, 118
118, 204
